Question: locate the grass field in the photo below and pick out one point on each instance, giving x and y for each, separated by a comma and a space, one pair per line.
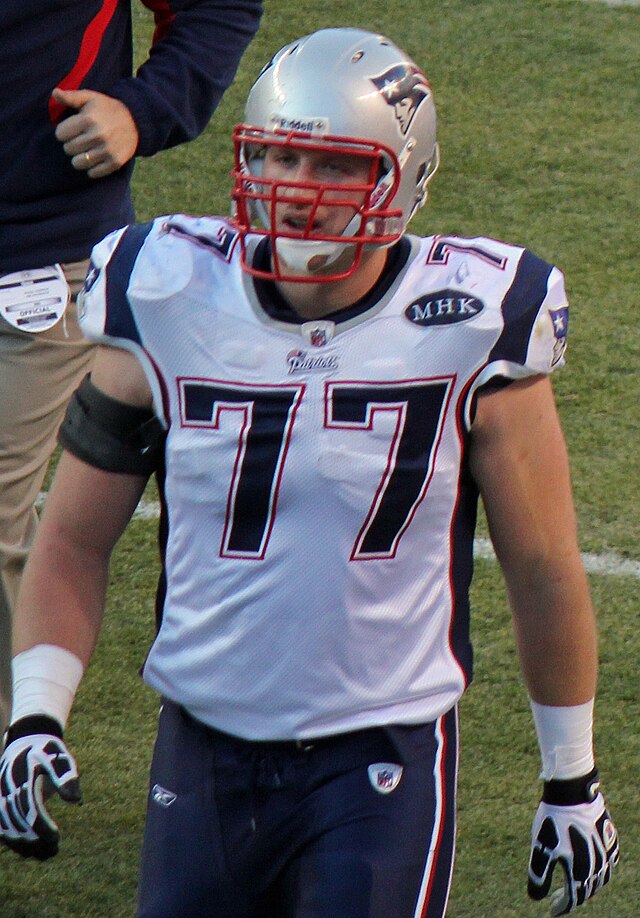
539, 126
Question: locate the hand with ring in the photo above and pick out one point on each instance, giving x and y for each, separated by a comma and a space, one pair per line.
100, 135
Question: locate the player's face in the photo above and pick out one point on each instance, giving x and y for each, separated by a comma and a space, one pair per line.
297, 211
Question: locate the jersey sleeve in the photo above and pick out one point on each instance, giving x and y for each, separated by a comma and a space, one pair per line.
548, 342
105, 313
535, 317
136, 275
136, 271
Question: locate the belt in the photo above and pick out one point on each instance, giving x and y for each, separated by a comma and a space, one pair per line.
365, 736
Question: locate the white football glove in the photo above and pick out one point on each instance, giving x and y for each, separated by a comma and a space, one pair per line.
34, 764
572, 827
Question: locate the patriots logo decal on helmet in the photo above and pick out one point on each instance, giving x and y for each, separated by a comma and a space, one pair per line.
405, 87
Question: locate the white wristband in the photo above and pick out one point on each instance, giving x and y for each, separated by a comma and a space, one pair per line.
45, 681
565, 737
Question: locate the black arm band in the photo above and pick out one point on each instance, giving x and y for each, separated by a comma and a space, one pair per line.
110, 434
32, 724
572, 791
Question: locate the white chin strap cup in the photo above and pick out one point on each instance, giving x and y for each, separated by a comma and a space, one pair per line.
306, 256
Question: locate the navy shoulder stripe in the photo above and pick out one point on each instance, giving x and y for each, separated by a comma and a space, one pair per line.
120, 320
520, 308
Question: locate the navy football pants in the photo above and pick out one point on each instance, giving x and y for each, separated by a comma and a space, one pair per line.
238, 829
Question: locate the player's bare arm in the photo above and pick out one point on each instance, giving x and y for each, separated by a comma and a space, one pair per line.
520, 463
118, 373
65, 580
58, 620
86, 512
60, 610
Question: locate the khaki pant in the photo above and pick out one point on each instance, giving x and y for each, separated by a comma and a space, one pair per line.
38, 373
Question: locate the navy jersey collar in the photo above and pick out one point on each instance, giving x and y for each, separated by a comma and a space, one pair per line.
277, 307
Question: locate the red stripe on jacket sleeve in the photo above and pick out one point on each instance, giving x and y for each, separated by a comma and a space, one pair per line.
89, 47
163, 17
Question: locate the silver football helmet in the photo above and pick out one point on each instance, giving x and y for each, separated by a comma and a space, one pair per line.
343, 91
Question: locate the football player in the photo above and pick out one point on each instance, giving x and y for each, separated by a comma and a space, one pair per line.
324, 397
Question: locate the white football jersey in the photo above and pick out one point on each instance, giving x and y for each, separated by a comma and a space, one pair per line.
319, 509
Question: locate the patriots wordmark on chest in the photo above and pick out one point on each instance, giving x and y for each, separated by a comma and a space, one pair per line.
444, 308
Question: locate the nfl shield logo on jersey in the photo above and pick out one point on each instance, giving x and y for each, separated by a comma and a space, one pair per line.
318, 334
384, 776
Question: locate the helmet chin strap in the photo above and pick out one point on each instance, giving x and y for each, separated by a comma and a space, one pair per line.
308, 257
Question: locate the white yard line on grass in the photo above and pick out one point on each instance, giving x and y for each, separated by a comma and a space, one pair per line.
619, 2
609, 564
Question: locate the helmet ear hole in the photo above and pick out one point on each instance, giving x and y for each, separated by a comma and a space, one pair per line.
422, 181
422, 171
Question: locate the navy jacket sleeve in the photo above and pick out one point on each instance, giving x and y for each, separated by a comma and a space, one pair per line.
197, 47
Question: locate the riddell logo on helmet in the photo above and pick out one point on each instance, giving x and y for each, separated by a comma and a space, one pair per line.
306, 125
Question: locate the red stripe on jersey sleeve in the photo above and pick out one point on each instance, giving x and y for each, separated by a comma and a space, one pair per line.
89, 47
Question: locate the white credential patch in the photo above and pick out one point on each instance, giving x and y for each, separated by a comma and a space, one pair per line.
33, 301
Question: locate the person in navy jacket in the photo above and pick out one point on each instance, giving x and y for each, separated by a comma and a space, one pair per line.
73, 119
